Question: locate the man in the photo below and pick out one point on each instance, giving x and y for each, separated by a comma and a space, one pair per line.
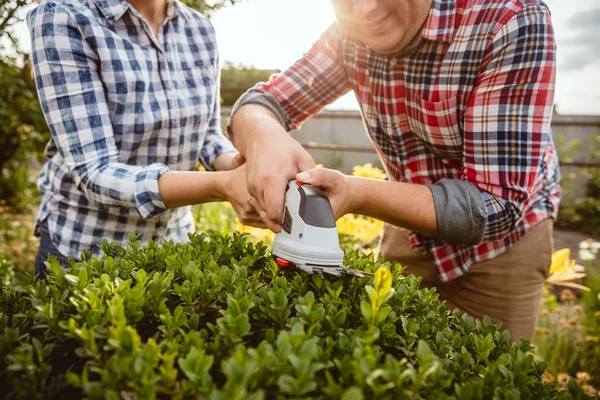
457, 97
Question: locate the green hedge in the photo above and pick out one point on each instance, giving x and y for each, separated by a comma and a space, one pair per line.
214, 318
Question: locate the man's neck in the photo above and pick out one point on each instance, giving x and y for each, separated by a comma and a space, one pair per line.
153, 11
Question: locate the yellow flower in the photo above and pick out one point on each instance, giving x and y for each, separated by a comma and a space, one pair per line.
368, 171
365, 229
563, 271
560, 260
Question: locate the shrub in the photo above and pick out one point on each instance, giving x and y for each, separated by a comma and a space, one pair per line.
215, 318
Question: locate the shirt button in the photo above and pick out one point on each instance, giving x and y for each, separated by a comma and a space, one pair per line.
407, 173
393, 62
161, 57
170, 93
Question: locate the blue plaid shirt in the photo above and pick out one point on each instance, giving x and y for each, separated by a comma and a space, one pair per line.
123, 107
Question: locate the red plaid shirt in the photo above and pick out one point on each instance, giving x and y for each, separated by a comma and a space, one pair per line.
470, 98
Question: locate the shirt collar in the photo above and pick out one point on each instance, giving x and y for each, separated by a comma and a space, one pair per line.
439, 25
113, 10
174, 9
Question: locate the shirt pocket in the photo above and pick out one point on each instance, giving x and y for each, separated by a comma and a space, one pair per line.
436, 124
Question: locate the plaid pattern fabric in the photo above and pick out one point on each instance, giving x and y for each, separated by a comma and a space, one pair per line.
470, 98
123, 107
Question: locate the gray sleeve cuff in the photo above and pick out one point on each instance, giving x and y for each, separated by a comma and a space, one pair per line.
266, 100
460, 211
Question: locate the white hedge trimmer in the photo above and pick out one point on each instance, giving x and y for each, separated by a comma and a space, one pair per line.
309, 239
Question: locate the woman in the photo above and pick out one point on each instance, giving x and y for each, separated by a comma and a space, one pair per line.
130, 91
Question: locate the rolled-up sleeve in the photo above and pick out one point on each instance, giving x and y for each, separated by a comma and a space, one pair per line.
75, 107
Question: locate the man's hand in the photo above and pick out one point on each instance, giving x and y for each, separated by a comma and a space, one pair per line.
336, 186
273, 158
270, 166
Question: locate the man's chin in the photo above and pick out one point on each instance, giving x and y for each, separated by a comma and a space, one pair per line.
385, 48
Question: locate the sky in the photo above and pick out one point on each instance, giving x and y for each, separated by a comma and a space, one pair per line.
273, 34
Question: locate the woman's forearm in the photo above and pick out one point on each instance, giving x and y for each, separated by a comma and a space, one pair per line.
183, 188
402, 204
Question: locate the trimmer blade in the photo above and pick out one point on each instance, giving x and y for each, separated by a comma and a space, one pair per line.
332, 270
338, 271
356, 272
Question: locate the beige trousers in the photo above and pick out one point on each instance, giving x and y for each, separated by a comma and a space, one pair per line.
507, 288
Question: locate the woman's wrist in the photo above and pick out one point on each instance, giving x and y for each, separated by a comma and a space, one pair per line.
222, 185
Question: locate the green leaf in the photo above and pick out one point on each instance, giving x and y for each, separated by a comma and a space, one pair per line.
484, 346
353, 393
365, 310
286, 384
72, 279
383, 313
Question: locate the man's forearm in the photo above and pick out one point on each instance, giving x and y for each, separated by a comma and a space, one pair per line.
402, 204
248, 122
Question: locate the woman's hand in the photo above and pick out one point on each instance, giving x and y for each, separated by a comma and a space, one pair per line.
235, 189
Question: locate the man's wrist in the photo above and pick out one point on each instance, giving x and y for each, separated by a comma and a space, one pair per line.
252, 125
356, 192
